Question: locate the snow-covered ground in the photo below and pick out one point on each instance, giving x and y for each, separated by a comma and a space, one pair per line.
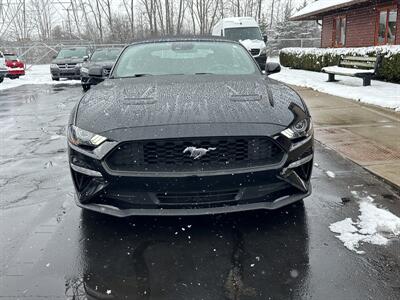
379, 93
374, 225
37, 74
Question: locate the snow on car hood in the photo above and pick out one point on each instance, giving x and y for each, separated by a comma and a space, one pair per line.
253, 44
218, 104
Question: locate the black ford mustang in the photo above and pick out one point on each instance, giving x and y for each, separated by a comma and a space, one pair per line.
189, 126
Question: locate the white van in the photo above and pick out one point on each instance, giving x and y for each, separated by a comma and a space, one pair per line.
246, 31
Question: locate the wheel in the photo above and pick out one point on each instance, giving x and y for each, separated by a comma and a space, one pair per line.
55, 78
1, 79
85, 87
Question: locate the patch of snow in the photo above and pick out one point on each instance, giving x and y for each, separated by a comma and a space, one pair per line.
386, 50
379, 93
37, 74
330, 174
294, 273
346, 71
374, 225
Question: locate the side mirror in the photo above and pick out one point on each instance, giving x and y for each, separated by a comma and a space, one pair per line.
54, 57
271, 68
86, 58
265, 38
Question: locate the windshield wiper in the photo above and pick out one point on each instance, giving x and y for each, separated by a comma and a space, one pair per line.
134, 76
204, 73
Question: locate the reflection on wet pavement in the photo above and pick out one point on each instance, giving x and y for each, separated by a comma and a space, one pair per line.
225, 257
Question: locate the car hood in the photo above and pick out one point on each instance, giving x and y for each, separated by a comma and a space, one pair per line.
67, 60
99, 64
190, 105
253, 44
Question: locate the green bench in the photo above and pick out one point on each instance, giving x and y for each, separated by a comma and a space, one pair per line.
355, 66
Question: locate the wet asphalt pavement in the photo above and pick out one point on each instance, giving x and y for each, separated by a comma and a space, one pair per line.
50, 249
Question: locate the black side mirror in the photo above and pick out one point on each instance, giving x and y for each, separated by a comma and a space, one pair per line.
54, 57
271, 68
85, 58
265, 38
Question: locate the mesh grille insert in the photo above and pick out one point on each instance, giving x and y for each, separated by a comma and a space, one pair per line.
167, 155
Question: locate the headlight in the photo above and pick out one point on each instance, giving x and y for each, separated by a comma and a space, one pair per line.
302, 128
80, 137
84, 70
53, 66
78, 65
263, 51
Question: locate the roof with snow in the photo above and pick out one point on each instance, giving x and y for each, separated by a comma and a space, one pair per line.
312, 10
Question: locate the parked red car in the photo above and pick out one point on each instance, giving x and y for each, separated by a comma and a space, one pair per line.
15, 67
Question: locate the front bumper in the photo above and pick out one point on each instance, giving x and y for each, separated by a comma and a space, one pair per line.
267, 187
11, 72
117, 212
69, 73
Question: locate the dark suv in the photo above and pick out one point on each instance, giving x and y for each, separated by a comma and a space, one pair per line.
68, 63
98, 66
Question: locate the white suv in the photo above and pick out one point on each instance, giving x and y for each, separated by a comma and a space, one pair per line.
3, 68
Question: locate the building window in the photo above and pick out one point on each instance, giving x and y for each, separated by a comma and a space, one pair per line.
339, 31
386, 26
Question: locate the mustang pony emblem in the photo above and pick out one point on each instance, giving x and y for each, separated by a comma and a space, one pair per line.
196, 153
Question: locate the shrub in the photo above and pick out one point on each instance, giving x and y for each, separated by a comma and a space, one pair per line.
314, 59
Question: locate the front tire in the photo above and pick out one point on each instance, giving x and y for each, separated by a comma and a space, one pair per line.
55, 78
85, 87
1, 79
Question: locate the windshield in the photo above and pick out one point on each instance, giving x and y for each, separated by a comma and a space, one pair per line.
11, 56
243, 33
105, 54
72, 53
172, 58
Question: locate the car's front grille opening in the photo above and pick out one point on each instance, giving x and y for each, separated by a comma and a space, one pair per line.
304, 171
66, 66
197, 197
81, 180
168, 155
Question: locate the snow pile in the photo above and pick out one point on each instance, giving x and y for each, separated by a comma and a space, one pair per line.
374, 225
387, 50
379, 93
319, 6
330, 174
37, 74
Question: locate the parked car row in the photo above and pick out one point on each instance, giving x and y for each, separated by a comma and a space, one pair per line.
79, 63
11, 66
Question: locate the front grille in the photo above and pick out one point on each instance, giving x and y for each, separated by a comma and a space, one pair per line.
197, 197
255, 51
66, 66
167, 155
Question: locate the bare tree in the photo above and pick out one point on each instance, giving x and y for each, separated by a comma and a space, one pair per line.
129, 9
